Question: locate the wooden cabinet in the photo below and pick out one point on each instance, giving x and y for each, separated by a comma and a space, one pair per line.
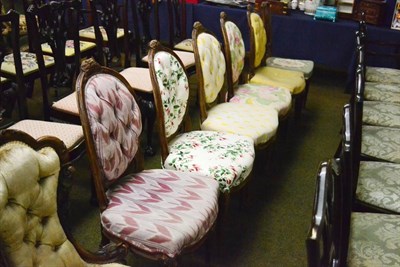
374, 11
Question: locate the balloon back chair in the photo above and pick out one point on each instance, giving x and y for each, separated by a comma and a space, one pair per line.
156, 213
227, 158
257, 94
32, 232
259, 73
256, 121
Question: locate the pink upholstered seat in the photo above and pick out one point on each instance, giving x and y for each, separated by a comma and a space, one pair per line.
158, 213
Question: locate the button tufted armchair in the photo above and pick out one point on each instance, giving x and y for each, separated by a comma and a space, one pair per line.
31, 233
256, 94
155, 213
260, 73
255, 121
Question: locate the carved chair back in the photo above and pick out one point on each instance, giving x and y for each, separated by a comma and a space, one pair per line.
210, 68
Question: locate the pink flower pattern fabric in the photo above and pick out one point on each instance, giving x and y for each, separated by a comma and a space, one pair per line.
115, 121
236, 47
174, 89
162, 211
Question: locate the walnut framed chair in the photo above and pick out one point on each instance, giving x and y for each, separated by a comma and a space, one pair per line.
260, 73
154, 213
32, 174
258, 122
238, 91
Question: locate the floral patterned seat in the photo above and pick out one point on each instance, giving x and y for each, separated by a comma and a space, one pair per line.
156, 213
384, 92
381, 114
29, 63
278, 98
69, 47
228, 158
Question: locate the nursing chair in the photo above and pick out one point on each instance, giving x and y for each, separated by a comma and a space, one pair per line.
32, 232
301, 65
256, 121
265, 95
227, 158
155, 213
259, 73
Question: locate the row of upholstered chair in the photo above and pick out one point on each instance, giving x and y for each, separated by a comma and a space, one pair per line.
357, 206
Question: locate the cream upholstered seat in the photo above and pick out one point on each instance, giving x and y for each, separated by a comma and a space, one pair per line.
69, 47
256, 121
30, 227
382, 75
156, 213
265, 95
381, 114
228, 158
29, 63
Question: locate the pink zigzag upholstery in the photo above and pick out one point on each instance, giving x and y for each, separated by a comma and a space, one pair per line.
159, 212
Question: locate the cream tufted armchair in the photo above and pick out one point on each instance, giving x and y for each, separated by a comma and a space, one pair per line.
30, 230
255, 121
155, 213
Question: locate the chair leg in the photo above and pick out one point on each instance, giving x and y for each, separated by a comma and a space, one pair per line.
148, 108
306, 90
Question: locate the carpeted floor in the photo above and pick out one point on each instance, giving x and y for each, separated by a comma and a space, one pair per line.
271, 229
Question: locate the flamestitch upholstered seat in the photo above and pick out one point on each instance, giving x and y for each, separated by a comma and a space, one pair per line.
31, 232
274, 97
256, 121
156, 213
228, 158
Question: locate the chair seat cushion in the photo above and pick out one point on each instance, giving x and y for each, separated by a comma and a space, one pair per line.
69, 47
374, 240
384, 92
277, 98
381, 114
288, 79
381, 143
161, 211
304, 66
70, 134
29, 63
382, 75
138, 78
187, 58
67, 104
185, 45
258, 122
379, 185
228, 158
89, 33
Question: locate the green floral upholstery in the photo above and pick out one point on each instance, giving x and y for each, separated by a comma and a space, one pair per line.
381, 143
260, 38
381, 114
174, 90
212, 65
258, 122
374, 240
226, 157
304, 66
379, 185
237, 50
277, 98
382, 75
384, 92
